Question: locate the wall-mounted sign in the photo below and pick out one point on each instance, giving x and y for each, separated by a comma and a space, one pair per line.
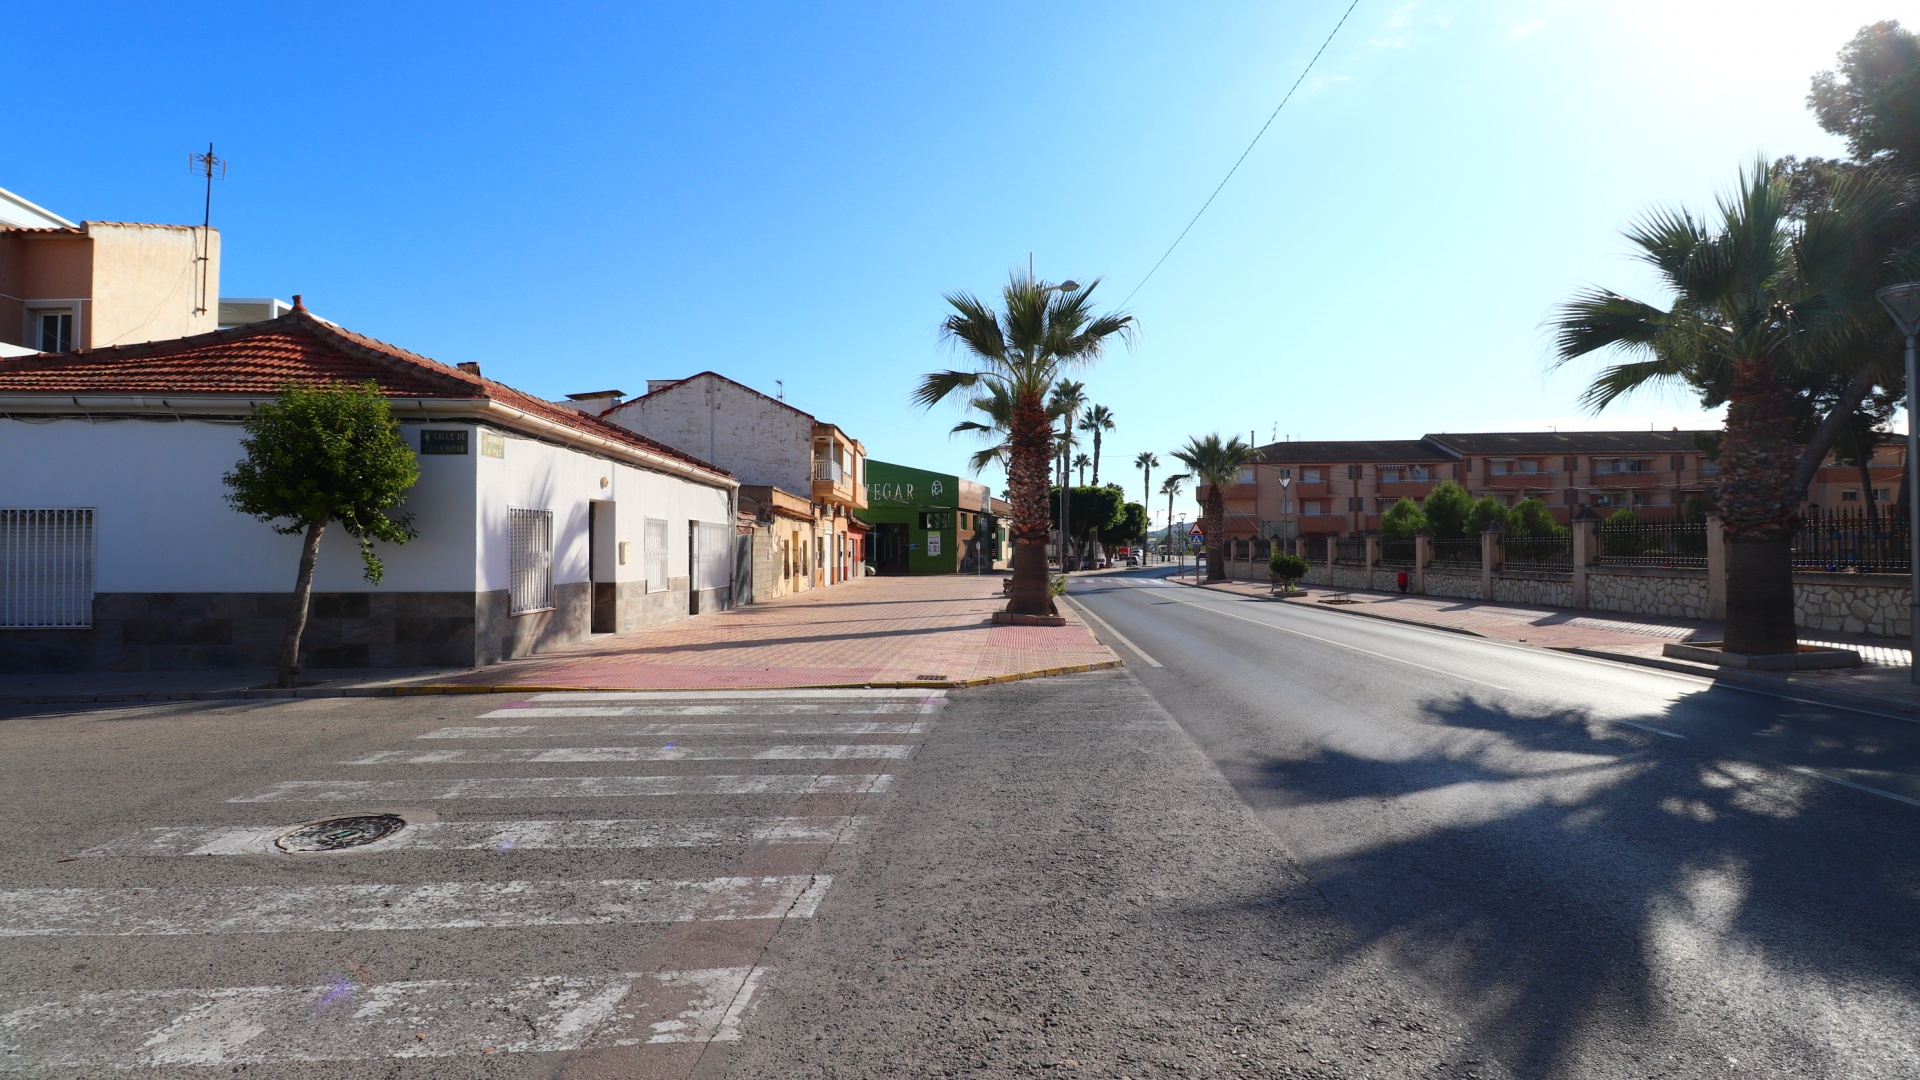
933, 543
493, 444
443, 441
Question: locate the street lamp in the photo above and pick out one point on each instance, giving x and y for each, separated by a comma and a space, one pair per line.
1066, 476
1903, 303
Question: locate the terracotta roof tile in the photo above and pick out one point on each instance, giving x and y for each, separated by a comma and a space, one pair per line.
259, 358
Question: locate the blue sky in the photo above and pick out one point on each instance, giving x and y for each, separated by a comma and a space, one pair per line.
607, 194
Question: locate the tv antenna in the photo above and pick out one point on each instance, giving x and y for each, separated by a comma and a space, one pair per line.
213, 168
782, 384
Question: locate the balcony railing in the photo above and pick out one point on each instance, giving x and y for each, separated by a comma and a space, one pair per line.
829, 470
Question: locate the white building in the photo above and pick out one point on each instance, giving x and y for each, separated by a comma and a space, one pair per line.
538, 525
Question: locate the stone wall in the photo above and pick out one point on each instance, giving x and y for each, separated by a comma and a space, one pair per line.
1348, 577
1853, 603
1453, 584
500, 636
1533, 587
1669, 592
199, 631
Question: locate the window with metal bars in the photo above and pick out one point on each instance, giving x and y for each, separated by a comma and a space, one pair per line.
655, 552
46, 568
530, 560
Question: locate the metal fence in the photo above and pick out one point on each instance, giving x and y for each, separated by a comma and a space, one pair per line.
1350, 552
1396, 552
1676, 544
1317, 549
1841, 542
1546, 553
1464, 554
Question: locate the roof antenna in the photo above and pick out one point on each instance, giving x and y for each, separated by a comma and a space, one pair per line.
212, 168
782, 384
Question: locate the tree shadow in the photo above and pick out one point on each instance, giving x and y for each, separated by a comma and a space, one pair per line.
1565, 874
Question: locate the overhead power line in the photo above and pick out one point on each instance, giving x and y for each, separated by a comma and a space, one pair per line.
1248, 150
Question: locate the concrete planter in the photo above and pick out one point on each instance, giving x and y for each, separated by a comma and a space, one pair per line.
1808, 658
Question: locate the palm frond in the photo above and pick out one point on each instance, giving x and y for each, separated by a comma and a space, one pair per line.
936, 386
1597, 319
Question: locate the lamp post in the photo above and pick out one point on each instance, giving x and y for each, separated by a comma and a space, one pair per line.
1903, 303
1285, 509
1066, 472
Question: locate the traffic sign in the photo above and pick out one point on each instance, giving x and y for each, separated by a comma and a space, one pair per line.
1196, 535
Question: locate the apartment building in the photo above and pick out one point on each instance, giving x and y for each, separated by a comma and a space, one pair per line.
801, 478
1334, 487
96, 284
1839, 486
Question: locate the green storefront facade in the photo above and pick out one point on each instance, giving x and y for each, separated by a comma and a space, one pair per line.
929, 523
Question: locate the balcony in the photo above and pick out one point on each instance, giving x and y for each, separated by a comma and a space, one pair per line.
1302, 489
1521, 481
1606, 479
833, 483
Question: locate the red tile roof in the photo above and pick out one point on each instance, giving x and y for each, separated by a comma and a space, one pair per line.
259, 358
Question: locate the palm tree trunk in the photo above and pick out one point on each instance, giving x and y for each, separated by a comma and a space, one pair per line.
1096, 457
302, 591
1031, 443
1216, 531
1758, 506
1169, 551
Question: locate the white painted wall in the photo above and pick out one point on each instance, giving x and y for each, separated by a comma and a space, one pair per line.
162, 523
756, 438
539, 476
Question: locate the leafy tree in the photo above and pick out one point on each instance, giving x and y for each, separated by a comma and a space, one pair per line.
317, 455
1216, 464
1091, 511
1485, 511
1403, 520
1131, 526
1873, 101
1531, 518
1446, 508
1022, 349
1760, 302
1287, 567
1097, 422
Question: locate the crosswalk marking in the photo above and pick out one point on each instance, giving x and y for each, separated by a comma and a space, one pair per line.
663, 731
565, 787
451, 905
546, 755
799, 708
344, 1020
750, 696
610, 833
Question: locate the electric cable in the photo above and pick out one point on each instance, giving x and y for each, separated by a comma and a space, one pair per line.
1243, 154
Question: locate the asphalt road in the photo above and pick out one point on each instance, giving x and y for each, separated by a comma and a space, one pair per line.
1600, 870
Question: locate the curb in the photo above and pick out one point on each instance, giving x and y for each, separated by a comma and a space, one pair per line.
435, 689
1773, 686
1342, 609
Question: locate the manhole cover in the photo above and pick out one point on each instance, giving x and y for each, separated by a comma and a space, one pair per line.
337, 833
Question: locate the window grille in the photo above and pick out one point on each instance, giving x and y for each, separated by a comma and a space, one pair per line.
530, 559
46, 568
656, 553
713, 562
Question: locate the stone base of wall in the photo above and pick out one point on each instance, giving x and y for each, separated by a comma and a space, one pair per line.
1457, 585
1668, 592
639, 609
501, 636
1533, 587
201, 631
1854, 603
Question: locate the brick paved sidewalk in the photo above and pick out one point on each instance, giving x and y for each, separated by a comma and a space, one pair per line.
871, 631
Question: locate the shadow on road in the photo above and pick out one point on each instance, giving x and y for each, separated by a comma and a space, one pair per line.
1576, 880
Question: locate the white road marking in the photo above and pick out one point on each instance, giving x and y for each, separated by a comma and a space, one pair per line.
769, 696
664, 731
347, 1021
544, 755
451, 905
1832, 779
1648, 727
1343, 645
800, 708
183, 840
1114, 634
400, 792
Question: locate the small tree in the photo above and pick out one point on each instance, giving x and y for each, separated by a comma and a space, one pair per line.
1485, 511
1403, 520
1286, 568
1531, 518
316, 455
1446, 509
1131, 526
1090, 512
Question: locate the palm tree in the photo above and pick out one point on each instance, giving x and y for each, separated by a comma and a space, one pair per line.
1215, 464
1081, 461
1099, 419
1021, 349
996, 405
1170, 487
1146, 462
1760, 301
1068, 398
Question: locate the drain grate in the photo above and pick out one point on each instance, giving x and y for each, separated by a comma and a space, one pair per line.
931, 678
335, 834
